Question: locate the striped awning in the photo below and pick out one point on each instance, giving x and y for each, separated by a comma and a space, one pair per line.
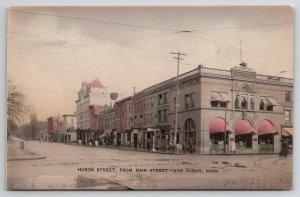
225, 97
215, 97
271, 101
217, 125
287, 132
243, 127
266, 127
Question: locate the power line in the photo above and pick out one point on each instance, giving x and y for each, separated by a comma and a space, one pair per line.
151, 28
242, 27
94, 20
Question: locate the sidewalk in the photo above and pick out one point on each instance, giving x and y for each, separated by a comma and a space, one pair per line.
14, 152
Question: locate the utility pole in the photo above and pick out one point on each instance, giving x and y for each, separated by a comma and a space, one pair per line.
177, 93
241, 57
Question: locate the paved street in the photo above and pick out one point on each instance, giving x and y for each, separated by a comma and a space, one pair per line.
80, 167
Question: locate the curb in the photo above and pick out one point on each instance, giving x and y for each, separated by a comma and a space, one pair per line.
26, 158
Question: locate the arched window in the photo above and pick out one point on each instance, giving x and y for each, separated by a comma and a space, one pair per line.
236, 102
244, 103
189, 132
261, 105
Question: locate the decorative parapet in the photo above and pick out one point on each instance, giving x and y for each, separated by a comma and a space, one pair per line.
215, 71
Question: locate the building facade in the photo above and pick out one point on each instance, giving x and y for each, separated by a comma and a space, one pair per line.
219, 111
91, 93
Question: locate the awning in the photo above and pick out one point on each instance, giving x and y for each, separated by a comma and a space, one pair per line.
287, 132
217, 125
271, 101
135, 131
153, 130
105, 133
243, 127
225, 97
266, 127
215, 97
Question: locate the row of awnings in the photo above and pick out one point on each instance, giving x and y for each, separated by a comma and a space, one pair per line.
223, 97
242, 127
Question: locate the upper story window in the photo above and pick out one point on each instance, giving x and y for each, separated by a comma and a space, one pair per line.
287, 116
219, 99
189, 100
288, 96
251, 102
160, 99
267, 103
236, 101
262, 104
244, 102
165, 114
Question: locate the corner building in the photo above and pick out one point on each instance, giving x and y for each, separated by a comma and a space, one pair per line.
220, 111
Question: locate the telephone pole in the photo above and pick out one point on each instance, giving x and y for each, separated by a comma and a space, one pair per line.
177, 93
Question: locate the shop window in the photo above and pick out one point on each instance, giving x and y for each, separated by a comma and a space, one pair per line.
266, 139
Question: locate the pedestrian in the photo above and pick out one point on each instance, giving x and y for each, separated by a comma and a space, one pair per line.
284, 147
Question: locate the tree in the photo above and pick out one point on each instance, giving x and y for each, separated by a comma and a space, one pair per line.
15, 106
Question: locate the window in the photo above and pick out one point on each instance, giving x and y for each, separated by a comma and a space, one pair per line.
159, 113
160, 99
236, 101
244, 103
189, 100
288, 96
262, 104
165, 97
223, 104
287, 116
214, 103
193, 100
270, 108
165, 115
251, 103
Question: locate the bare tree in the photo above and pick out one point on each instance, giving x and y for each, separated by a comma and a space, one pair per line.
15, 106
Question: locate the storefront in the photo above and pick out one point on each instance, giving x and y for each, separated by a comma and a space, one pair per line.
219, 135
244, 133
266, 132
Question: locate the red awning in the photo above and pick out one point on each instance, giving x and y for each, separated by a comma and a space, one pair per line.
271, 102
266, 127
215, 97
243, 127
225, 97
217, 125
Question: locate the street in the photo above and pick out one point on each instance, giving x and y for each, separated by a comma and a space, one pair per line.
60, 166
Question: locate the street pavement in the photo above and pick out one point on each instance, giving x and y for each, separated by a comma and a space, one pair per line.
57, 166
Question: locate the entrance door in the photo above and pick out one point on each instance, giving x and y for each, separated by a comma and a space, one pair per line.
135, 140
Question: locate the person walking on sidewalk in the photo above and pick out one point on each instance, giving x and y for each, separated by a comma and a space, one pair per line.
284, 147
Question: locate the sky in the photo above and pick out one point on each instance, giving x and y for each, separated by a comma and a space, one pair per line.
51, 50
